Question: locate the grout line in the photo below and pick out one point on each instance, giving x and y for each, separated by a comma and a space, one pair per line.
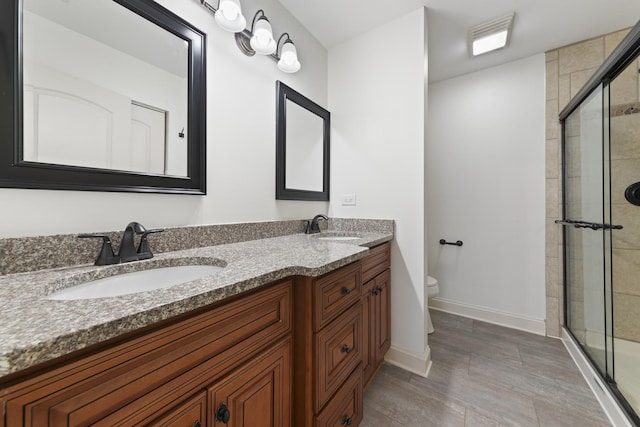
535, 410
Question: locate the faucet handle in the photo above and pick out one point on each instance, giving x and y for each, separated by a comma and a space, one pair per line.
106, 255
144, 251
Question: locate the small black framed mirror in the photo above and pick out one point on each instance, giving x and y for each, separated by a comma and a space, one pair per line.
302, 147
107, 95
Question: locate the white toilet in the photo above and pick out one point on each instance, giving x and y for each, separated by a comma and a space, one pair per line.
432, 291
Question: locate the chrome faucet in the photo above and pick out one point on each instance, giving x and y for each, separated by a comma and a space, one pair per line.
127, 251
313, 227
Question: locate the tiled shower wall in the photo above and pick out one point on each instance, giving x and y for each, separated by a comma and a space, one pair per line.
567, 70
625, 170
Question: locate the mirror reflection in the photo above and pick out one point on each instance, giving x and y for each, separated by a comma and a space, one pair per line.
99, 98
304, 149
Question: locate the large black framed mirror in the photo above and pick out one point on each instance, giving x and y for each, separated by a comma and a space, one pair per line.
302, 147
107, 95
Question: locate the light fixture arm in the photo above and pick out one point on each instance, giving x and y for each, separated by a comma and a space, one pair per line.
276, 54
208, 6
255, 17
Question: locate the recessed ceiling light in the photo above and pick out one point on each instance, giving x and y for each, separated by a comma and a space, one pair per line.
491, 35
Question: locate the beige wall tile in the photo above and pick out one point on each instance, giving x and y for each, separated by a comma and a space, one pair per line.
581, 56
626, 316
573, 158
611, 41
552, 55
576, 319
551, 78
623, 174
579, 78
551, 277
625, 137
553, 319
553, 122
551, 233
628, 216
552, 154
575, 287
560, 291
624, 88
626, 271
564, 91
552, 198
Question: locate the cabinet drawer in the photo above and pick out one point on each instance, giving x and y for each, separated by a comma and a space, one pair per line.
378, 260
334, 293
191, 413
139, 379
345, 408
339, 351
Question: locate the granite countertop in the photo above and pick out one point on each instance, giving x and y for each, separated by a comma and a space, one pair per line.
34, 329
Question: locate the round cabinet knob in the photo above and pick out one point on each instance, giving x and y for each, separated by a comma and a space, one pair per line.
346, 421
345, 290
346, 349
223, 414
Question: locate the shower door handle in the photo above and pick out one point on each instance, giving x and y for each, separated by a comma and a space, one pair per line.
592, 225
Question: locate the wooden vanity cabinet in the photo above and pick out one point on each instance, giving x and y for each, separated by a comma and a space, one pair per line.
256, 395
238, 351
297, 353
376, 303
191, 413
328, 347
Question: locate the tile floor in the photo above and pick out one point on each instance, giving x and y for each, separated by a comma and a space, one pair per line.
484, 375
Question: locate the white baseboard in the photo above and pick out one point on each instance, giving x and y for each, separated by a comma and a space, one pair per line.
616, 415
418, 364
488, 315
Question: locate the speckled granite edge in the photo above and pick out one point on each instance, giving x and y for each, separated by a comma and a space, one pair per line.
34, 330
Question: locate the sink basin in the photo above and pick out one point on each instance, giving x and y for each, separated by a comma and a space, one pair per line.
137, 281
338, 238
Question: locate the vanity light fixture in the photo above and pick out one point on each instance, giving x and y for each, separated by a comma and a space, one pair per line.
258, 39
491, 35
228, 15
288, 62
262, 36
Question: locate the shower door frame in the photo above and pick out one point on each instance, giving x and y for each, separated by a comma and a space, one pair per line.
625, 53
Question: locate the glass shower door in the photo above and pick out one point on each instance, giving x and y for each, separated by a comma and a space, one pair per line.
587, 239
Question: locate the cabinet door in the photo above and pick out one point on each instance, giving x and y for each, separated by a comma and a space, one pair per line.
368, 332
383, 315
191, 413
256, 395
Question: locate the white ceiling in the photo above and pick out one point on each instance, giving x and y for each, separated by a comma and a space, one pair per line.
540, 25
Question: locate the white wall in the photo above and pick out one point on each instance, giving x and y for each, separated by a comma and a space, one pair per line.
240, 145
377, 89
485, 173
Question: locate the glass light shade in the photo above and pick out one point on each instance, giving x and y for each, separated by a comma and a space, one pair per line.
229, 16
262, 40
489, 43
288, 62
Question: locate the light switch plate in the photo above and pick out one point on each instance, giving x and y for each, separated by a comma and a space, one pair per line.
349, 199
